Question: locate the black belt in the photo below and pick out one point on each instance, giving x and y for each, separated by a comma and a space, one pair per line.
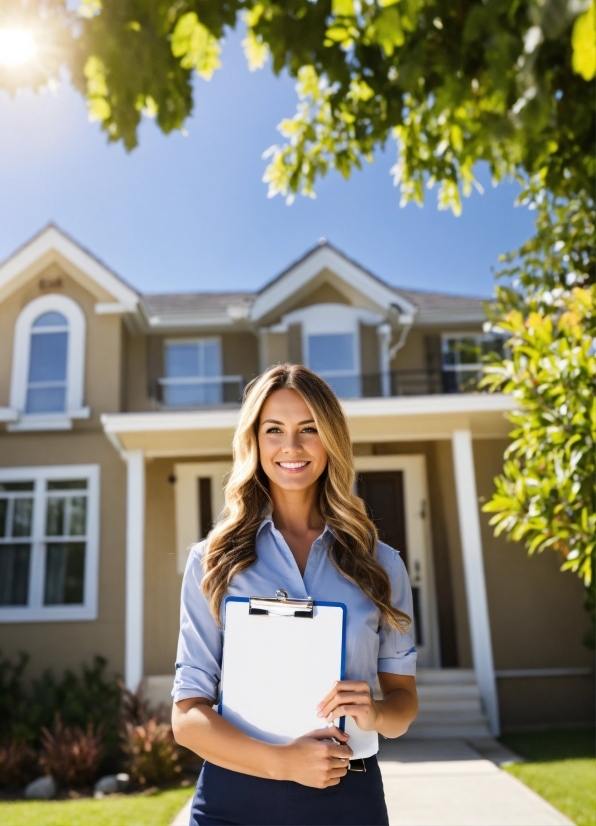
357, 765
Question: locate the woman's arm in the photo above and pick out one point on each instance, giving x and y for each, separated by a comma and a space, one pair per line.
390, 716
313, 760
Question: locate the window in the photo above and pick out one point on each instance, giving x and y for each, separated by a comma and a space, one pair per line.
334, 358
46, 386
48, 543
48, 364
462, 358
193, 373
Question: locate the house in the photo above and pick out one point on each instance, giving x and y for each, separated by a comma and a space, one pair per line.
116, 416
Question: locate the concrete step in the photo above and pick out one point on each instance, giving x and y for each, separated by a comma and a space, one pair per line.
467, 691
435, 731
452, 706
434, 676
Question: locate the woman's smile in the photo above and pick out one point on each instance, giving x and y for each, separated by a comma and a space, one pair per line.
293, 467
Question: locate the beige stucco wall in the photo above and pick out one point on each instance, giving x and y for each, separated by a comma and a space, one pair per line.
103, 345
162, 580
61, 645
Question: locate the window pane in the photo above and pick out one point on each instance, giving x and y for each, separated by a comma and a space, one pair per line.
331, 352
182, 361
493, 344
16, 486
55, 516
461, 350
65, 573
47, 359
3, 516
46, 400
78, 516
346, 387
192, 395
51, 319
14, 574
22, 517
211, 358
67, 484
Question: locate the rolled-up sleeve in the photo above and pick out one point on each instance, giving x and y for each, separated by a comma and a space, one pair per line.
397, 652
198, 658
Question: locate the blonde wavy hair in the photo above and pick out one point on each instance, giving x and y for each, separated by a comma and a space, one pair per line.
230, 546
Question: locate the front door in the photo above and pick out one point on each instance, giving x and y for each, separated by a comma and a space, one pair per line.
386, 497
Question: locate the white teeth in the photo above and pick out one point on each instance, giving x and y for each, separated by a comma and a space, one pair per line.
293, 465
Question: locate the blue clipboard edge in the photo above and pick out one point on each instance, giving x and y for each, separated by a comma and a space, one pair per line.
344, 611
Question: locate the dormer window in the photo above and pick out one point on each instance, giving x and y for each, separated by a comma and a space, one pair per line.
335, 358
48, 356
48, 365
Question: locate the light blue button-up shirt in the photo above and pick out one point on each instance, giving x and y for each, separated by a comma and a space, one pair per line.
369, 647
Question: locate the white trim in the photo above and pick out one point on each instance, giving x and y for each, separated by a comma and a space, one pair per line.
471, 544
169, 420
224, 419
418, 538
52, 239
188, 517
543, 672
36, 611
325, 257
75, 359
8, 414
135, 539
420, 405
48, 421
110, 308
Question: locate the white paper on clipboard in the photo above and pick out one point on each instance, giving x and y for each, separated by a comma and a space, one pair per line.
276, 669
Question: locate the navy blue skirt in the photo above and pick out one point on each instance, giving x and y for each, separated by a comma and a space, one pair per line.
227, 798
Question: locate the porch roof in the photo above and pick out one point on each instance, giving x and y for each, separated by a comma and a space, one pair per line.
407, 418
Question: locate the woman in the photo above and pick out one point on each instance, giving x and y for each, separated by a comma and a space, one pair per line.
292, 521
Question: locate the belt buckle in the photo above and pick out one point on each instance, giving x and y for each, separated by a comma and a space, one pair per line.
357, 765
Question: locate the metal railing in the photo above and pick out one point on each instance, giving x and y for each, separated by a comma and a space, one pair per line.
214, 391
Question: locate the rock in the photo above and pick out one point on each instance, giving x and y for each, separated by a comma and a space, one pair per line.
44, 788
123, 781
107, 784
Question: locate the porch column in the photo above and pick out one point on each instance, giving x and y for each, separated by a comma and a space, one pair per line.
469, 528
135, 536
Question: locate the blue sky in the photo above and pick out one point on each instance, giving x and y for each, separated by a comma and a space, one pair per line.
191, 213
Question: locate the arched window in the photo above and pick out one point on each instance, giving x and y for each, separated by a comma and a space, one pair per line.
48, 364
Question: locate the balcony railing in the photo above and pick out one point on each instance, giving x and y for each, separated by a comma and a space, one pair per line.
214, 391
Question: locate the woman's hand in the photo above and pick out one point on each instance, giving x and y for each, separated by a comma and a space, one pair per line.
351, 698
315, 760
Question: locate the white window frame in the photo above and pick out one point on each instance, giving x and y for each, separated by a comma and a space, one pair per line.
36, 611
75, 365
331, 319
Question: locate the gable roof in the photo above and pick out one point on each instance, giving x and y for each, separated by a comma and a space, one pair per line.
51, 239
326, 256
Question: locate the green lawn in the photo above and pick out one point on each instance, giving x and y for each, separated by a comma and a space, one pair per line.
561, 767
156, 809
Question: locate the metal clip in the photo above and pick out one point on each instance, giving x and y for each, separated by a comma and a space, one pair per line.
281, 605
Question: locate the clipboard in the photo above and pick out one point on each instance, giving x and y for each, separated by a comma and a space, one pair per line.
281, 656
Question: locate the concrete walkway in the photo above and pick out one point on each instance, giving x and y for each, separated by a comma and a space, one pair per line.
458, 783
452, 783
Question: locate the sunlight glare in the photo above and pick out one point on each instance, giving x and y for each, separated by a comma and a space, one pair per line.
17, 46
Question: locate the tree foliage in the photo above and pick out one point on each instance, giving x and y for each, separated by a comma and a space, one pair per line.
546, 495
454, 82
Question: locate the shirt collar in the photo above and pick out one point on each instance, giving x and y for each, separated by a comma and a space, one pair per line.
328, 536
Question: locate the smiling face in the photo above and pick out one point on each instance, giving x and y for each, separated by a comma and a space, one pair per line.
290, 448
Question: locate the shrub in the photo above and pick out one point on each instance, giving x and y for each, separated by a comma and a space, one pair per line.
152, 755
18, 763
72, 756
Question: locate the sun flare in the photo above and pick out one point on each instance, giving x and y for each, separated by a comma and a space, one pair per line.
17, 46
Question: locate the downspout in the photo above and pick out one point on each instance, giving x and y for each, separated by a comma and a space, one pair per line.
388, 353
